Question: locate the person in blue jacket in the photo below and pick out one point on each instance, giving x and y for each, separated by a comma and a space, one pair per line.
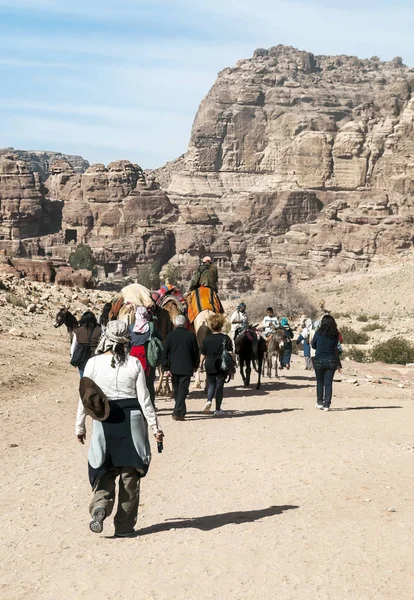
326, 360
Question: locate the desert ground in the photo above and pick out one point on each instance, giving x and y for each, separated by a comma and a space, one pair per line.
278, 500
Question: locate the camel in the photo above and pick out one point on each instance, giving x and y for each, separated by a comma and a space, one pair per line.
202, 330
166, 315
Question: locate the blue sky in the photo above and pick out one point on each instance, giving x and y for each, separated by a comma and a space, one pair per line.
123, 79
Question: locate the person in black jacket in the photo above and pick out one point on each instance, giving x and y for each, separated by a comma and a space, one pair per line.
211, 351
326, 360
180, 358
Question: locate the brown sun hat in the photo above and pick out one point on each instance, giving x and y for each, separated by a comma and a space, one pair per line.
93, 399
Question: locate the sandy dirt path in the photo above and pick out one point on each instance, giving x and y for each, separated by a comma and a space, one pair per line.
277, 501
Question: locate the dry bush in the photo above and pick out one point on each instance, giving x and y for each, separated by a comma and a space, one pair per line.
15, 300
373, 327
350, 336
285, 299
357, 354
396, 351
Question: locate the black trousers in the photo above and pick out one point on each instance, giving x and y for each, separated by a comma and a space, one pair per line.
150, 380
324, 370
181, 385
215, 389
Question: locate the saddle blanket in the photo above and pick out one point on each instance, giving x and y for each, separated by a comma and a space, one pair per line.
168, 290
203, 298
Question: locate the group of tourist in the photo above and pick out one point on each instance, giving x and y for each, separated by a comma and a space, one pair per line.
117, 365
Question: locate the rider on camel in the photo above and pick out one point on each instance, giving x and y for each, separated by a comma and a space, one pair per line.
206, 275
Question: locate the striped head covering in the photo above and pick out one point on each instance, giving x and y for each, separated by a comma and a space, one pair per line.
116, 332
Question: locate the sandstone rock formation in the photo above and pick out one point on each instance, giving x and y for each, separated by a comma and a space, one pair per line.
42, 162
306, 161
297, 164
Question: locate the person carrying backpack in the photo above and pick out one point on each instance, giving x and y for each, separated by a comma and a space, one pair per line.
85, 341
214, 354
146, 345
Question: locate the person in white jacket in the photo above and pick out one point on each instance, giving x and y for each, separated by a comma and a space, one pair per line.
119, 445
238, 319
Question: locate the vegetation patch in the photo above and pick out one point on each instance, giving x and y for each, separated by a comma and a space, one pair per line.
285, 299
350, 336
362, 318
373, 327
396, 351
82, 258
15, 300
357, 354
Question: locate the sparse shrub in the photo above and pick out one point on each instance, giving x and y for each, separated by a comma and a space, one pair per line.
397, 351
149, 275
82, 258
375, 317
350, 336
286, 300
173, 274
357, 354
15, 300
373, 327
362, 318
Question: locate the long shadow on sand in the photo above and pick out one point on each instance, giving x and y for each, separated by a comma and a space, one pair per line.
363, 408
209, 522
233, 414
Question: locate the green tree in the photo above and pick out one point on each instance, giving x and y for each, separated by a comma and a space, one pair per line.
82, 258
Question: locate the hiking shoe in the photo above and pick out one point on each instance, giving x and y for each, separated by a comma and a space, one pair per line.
207, 408
132, 533
219, 413
326, 408
98, 517
178, 417
319, 406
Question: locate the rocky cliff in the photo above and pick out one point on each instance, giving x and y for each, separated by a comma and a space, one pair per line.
297, 164
305, 161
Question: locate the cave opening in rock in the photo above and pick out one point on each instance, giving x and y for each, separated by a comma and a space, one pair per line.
71, 235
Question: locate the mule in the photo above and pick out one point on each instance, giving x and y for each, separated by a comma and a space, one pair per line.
251, 348
64, 317
274, 352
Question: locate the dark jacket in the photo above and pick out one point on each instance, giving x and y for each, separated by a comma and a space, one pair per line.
181, 355
326, 347
206, 276
212, 349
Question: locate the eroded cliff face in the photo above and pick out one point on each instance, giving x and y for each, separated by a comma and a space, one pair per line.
309, 158
297, 164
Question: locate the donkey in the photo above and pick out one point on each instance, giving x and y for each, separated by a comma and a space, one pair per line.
64, 317
274, 351
251, 348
